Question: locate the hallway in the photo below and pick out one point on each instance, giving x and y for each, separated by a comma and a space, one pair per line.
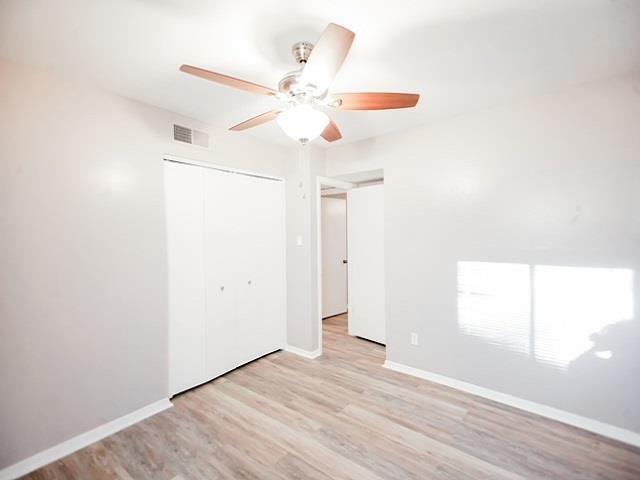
342, 416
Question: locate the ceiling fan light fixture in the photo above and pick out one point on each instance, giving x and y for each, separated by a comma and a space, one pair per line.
308, 86
303, 123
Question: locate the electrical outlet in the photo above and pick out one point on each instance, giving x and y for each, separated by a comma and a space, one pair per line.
414, 338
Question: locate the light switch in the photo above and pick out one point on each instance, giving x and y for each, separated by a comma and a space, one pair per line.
299, 240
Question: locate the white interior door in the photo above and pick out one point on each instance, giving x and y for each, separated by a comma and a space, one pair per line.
185, 244
334, 253
365, 234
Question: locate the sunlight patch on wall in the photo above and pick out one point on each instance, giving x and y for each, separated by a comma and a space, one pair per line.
572, 303
494, 303
548, 312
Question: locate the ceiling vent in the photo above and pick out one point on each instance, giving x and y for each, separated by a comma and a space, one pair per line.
189, 135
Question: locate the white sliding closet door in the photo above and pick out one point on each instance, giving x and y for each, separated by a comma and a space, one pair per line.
264, 266
223, 254
245, 265
227, 271
185, 242
365, 238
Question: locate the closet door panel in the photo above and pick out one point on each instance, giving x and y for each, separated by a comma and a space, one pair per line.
222, 231
248, 347
185, 247
261, 314
268, 261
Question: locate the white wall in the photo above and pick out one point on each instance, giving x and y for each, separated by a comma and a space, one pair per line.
552, 185
302, 260
83, 302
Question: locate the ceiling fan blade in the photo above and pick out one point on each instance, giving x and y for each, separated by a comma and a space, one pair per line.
227, 80
331, 132
327, 57
255, 121
373, 101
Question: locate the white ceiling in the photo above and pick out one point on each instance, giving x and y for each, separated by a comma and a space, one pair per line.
460, 55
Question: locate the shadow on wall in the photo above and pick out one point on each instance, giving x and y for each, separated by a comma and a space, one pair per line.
614, 348
563, 317
621, 337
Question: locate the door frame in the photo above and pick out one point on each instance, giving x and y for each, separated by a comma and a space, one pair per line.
341, 185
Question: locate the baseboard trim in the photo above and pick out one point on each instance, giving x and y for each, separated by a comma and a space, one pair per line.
594, 426
74, 444
311, 354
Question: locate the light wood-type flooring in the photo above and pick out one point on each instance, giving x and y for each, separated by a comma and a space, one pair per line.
343, 416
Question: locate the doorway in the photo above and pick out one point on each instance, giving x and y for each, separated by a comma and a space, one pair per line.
351, 294
334, 253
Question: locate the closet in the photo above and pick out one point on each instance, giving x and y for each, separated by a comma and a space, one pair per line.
227, 277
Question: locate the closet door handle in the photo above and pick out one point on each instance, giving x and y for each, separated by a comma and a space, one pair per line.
222, 288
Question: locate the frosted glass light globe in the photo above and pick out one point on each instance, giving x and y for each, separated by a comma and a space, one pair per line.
303, 123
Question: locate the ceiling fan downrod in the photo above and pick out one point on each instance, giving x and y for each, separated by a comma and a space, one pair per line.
301, 51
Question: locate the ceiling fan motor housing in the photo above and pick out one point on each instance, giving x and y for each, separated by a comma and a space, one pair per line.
289, 84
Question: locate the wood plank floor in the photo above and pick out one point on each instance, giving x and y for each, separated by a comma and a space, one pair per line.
343, 416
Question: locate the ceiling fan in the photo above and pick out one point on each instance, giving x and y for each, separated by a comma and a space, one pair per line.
306, 89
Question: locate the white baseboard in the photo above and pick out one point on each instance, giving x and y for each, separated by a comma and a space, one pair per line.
74, 444
601, 428
311, 354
